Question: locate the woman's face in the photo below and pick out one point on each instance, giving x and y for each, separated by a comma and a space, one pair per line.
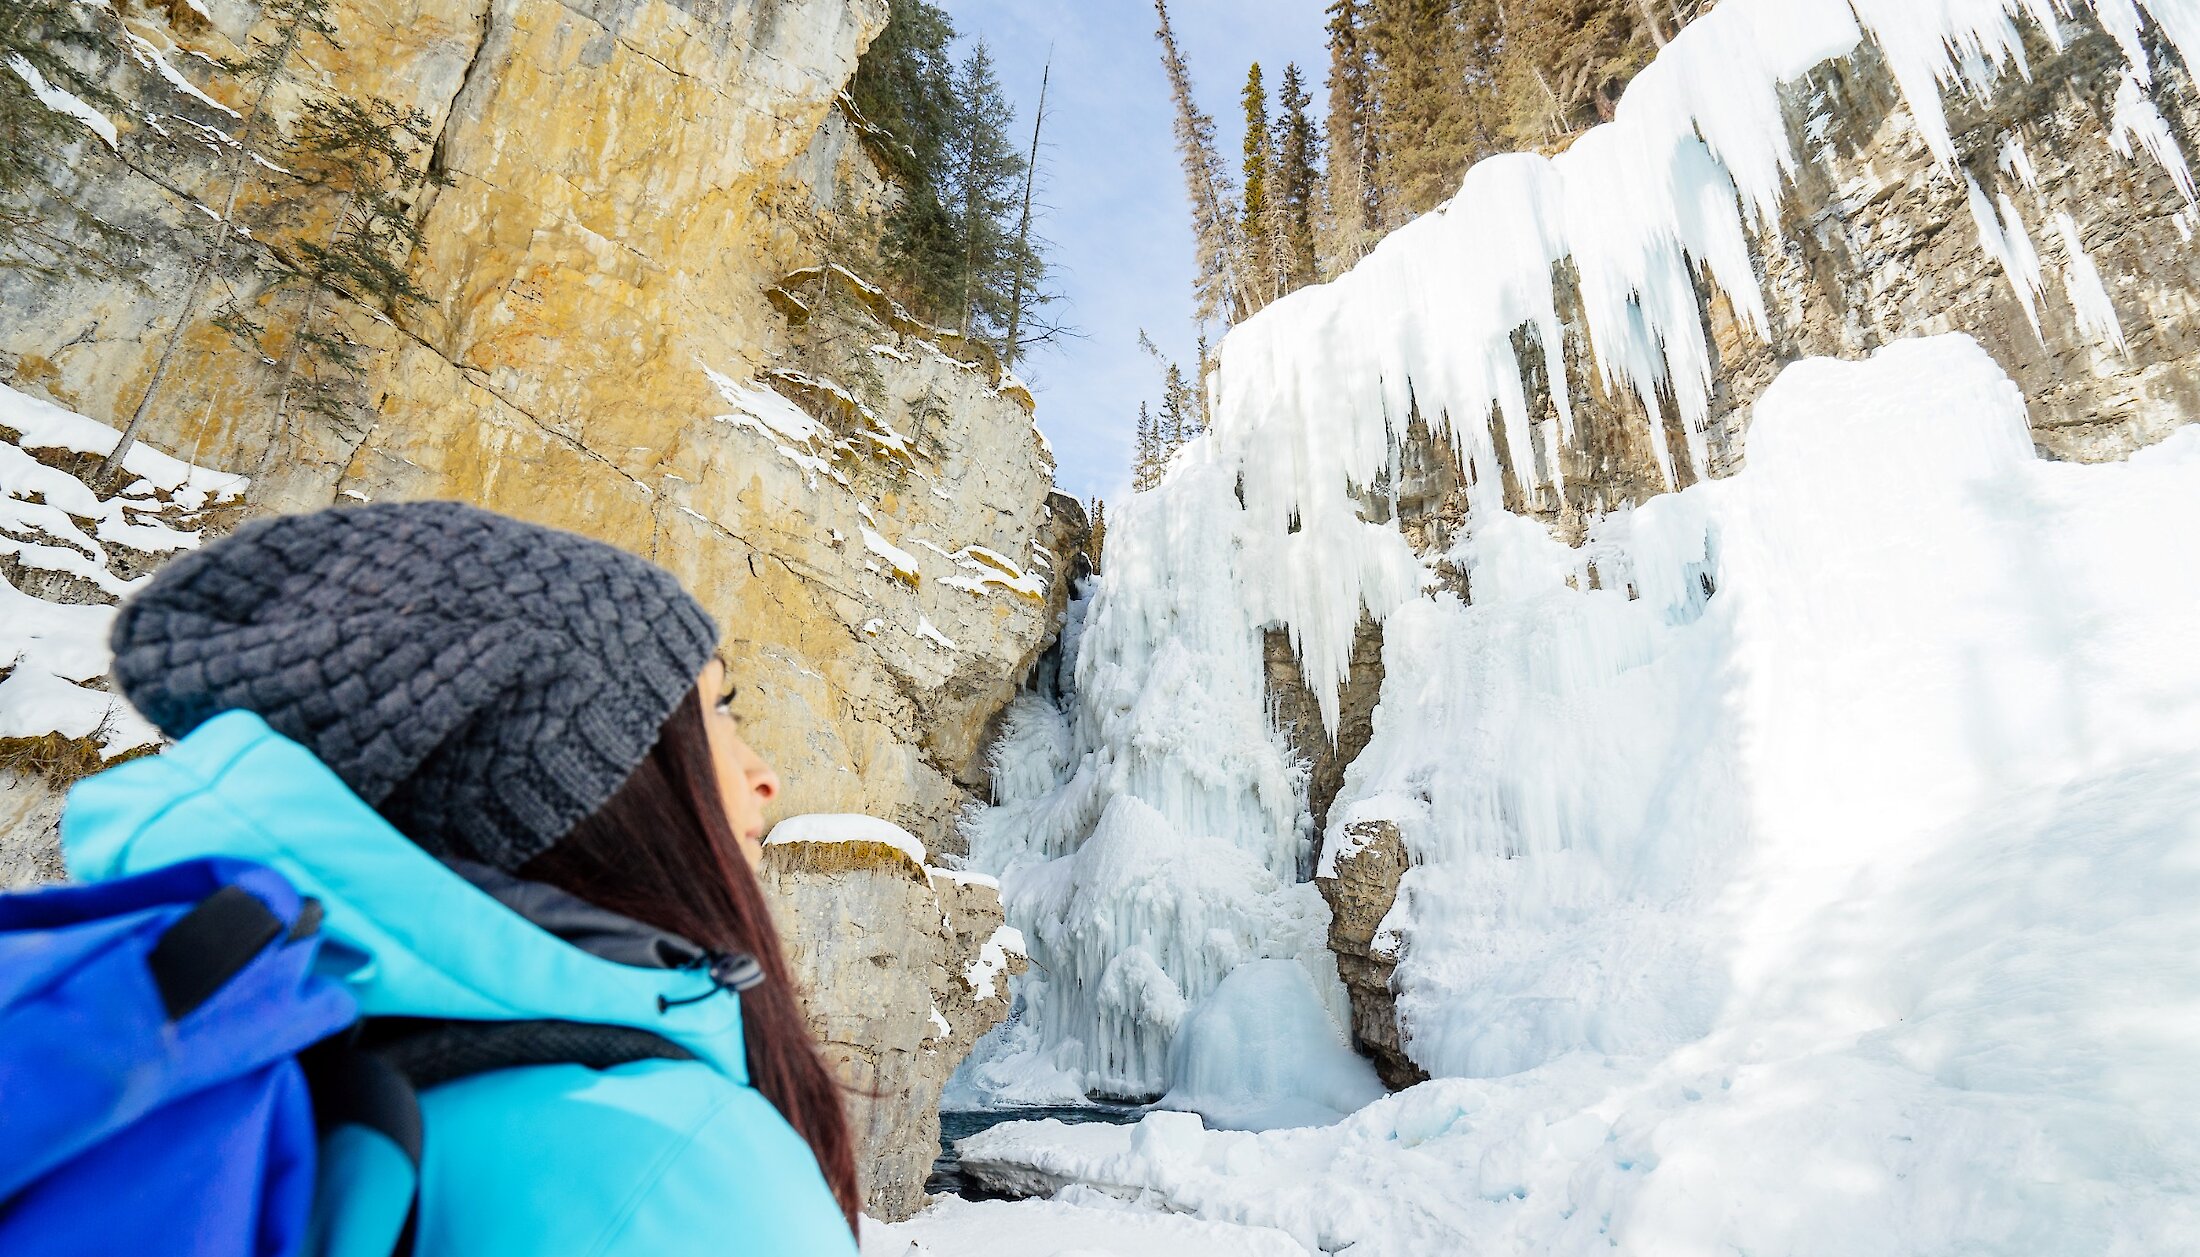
745, 781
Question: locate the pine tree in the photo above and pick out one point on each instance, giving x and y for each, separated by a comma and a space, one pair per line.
1256, 223
1144, 462
265, 66
1353, 202
1297, 184
905, 85
1219, 285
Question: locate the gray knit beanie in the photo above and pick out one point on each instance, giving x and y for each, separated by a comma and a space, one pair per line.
483, 683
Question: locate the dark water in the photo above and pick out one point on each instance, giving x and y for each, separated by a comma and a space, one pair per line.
963, 1123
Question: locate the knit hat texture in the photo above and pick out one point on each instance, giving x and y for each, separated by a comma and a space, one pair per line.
483, 683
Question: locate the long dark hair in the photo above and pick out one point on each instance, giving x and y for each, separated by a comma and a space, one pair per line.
662, 852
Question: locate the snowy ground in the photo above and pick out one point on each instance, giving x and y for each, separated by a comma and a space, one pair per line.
84, 542
1081, 1224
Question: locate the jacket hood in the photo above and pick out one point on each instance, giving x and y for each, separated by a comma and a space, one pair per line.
405, 934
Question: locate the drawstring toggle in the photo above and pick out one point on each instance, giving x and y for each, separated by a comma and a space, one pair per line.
728, 971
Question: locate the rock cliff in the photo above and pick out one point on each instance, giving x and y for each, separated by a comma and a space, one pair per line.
1875, 241
906, 967
640, 324
627, 181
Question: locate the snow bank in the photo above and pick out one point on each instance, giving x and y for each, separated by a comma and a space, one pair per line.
1080, 1225
846, 827
1816, 879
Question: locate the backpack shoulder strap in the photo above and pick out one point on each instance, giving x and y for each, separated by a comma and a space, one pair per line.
375, 1079
434, 1052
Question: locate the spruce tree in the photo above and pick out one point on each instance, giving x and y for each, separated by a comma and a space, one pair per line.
1353, 200
1256, 223
1219, 286
1297, 184
1143, 460
1425, 115
1026, 254
905, 85
265, 66
986, 180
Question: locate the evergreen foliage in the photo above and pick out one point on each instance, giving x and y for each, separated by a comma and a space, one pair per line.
1218, 286
265, 66
958, 246
1419, 90
1182, 418
1256, 222
1298, 185
365, 154
1352, 215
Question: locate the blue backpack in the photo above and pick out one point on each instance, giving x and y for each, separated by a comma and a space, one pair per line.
169, 1058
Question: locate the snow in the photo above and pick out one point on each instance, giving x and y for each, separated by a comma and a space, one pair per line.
930, 632
53, 654
150, 57
1310, 393
1800, 864
983, 974
1095, 1227
846, 827
899, 561
1815, 880
62, 101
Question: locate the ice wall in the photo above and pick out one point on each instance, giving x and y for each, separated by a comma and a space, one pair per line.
1577, 749
1150, 831
1312, 395
1831, 895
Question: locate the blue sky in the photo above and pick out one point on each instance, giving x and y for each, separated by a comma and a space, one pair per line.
1114, 190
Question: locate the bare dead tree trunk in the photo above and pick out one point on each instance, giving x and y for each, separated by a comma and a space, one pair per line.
110, 468
1023, 226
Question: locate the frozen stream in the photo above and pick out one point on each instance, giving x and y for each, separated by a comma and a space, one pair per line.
957, 1124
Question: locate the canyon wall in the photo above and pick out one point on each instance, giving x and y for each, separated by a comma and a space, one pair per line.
635, 326
625, 182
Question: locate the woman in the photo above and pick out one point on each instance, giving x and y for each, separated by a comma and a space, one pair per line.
504, 760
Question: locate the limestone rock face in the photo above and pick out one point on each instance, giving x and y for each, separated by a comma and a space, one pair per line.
626, 181
30, 831
1371, 862
904, 968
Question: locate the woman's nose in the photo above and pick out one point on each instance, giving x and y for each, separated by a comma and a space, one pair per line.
764, 781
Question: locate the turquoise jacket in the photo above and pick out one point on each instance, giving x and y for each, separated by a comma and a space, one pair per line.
665, 1158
